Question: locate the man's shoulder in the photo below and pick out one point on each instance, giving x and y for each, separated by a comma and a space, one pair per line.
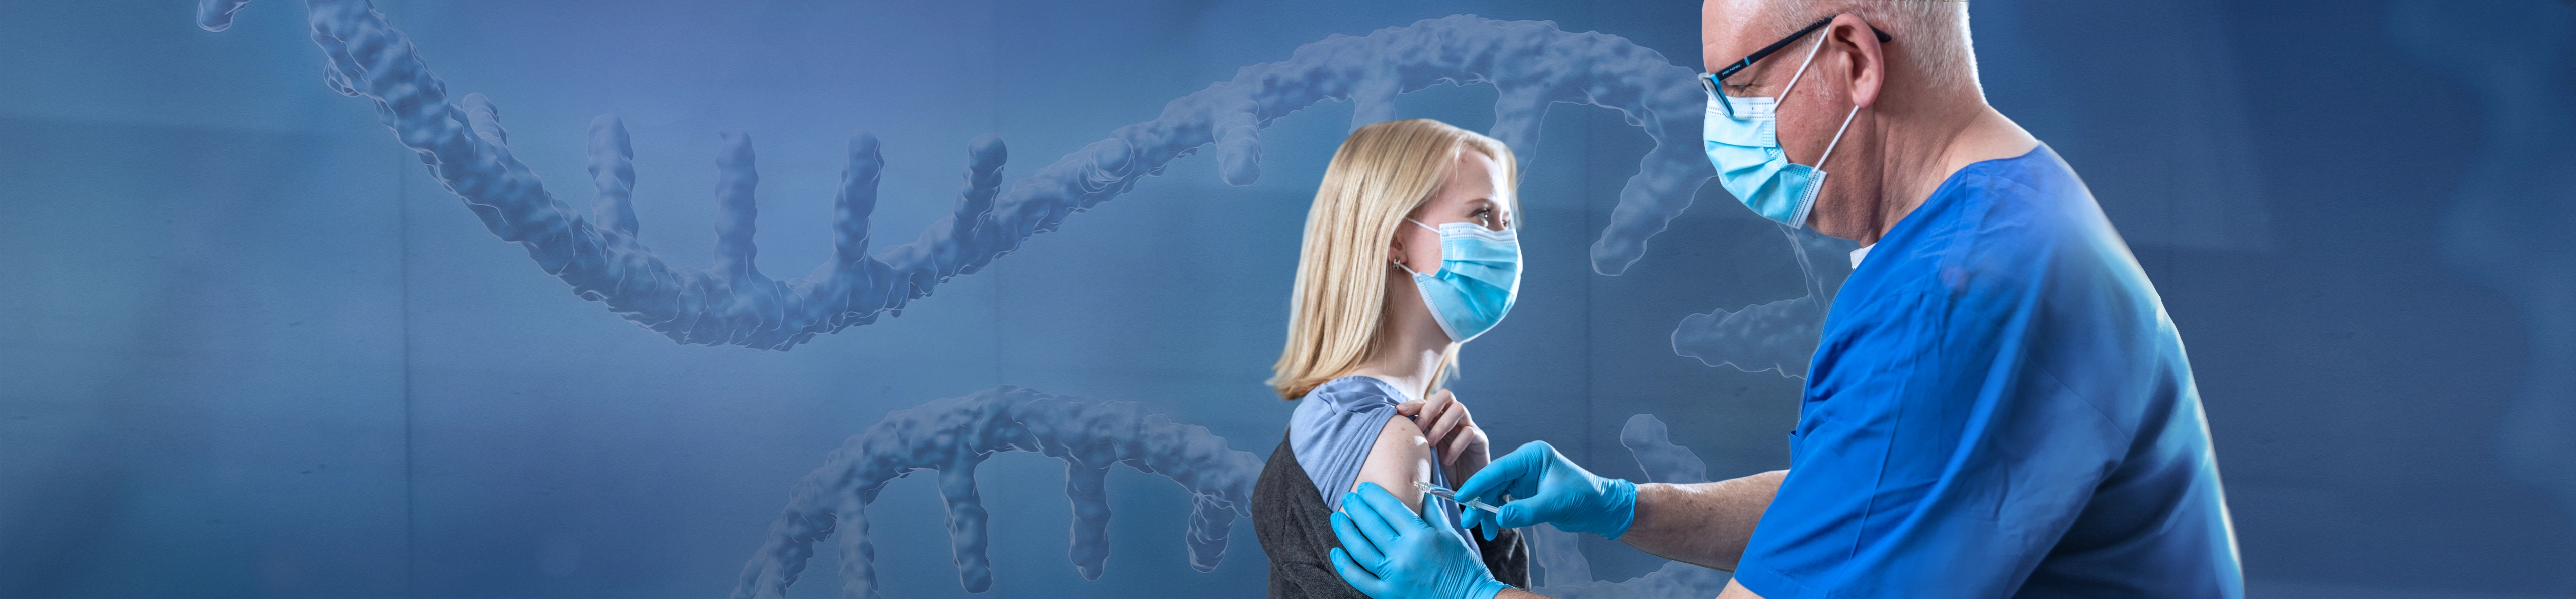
2006, 220
2000, 237
2034, 200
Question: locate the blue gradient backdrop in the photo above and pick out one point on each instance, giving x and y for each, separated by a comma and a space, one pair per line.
248, 348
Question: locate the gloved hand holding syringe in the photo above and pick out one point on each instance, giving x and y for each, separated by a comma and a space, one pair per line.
1444, 493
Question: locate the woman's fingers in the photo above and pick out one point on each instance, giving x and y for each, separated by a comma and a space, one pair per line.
1435, 407
1456, 432
1459, 448
1451, 417
1432, 417
1437, 401
1445, 421
1450, 440
1422, 410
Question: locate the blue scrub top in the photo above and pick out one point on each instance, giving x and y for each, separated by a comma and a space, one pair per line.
1999, 407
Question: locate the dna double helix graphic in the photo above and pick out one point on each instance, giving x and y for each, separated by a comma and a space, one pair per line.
953, 435
1533, 64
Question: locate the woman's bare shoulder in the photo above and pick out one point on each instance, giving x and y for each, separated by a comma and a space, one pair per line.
1400, 457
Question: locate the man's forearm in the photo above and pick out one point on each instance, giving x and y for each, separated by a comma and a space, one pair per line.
1705, 523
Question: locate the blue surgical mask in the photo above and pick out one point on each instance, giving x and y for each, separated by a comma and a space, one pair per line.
1742, 135
1479, 274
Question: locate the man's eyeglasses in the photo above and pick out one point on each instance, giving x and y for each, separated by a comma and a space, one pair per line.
1714, 82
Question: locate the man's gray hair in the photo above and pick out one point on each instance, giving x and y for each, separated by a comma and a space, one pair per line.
1931, 36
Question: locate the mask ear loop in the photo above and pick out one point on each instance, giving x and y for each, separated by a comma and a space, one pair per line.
1408, 269
1816, 185
1838, 137
1847, 117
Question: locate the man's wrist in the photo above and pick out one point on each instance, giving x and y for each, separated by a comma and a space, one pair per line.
1622, 507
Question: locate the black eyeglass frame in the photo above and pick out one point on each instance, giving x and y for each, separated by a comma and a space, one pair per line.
1711, 82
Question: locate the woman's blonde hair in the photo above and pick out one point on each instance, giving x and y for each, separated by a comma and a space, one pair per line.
1381, 174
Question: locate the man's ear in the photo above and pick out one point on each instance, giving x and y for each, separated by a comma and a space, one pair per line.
1864, 60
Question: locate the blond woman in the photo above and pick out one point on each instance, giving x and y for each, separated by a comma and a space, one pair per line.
1410, 252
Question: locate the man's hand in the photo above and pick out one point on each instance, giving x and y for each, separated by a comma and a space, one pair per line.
1550, 489
1455, 438
1388, 553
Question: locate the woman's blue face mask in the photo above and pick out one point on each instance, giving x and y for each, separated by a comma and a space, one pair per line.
1479, 276
1743, 142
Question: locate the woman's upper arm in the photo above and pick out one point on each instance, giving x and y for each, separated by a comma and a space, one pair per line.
1400, 457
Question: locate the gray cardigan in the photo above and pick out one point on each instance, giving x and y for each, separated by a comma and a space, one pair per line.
1296, 529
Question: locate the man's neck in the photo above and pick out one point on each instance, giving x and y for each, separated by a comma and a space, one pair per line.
1914, 170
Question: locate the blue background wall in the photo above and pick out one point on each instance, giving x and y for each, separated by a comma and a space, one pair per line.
250, 348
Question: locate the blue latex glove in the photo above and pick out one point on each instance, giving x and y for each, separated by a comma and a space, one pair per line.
1392, 554
1549, 488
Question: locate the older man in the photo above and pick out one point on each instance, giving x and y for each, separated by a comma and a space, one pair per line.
1999, 406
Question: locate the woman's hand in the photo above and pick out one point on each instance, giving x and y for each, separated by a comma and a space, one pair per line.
1455, 438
